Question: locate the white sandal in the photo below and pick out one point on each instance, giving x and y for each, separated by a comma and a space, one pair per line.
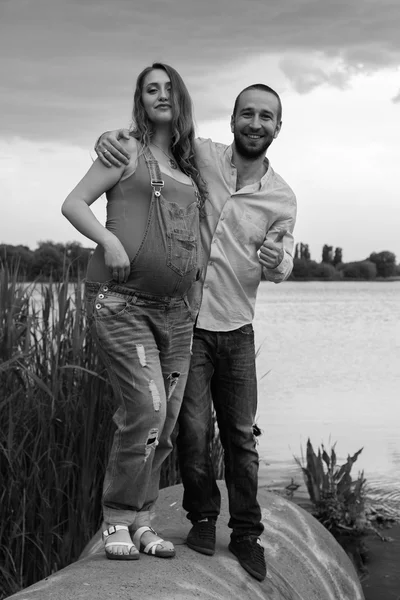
155, 548
133, 553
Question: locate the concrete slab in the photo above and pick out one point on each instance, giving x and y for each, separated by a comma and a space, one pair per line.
304, 563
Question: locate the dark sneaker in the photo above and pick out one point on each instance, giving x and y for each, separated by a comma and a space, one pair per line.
250, 554
202, 537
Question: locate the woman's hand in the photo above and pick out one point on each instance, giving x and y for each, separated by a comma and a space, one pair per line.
110, 151
116, 259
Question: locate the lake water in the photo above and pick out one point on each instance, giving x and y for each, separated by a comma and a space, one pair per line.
331, 351
329, 370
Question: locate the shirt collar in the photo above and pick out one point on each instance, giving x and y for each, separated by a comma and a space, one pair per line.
229, 152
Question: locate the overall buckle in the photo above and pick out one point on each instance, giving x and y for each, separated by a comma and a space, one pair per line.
157, 183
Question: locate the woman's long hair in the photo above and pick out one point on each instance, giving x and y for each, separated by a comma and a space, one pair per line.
182, 145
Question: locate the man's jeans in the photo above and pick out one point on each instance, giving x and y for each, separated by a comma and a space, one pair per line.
222, 370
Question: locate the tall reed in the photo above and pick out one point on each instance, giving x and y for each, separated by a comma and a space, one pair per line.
55, 430
55, 412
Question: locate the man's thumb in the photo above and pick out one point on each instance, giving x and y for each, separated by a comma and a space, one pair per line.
281, 235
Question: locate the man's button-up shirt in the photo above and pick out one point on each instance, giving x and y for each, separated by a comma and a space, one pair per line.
235, 225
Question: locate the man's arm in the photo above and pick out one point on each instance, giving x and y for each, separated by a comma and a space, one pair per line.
110, 151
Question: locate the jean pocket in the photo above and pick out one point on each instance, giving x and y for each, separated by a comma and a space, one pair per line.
246, 329
109, 306
182, 251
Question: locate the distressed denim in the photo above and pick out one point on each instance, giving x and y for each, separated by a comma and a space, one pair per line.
143, 331
222, 371
144, 342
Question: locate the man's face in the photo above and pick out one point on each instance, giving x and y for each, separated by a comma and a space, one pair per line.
255, 123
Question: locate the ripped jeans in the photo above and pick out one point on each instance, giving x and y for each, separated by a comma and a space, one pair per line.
144, 342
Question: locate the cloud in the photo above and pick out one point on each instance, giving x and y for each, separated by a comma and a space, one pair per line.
307, 72
341, 166
67, 69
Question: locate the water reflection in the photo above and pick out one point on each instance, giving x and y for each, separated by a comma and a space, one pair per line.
333, 354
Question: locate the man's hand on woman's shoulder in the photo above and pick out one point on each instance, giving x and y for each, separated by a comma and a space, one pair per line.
112, 152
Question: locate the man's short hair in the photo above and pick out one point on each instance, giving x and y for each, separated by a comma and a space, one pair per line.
263, 88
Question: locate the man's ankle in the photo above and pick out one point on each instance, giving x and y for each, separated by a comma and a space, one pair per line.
205, 520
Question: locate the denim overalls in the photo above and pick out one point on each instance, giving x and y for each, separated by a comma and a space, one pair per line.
144, 337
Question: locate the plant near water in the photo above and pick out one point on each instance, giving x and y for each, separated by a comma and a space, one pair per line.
56, 407
55, 412
338, 500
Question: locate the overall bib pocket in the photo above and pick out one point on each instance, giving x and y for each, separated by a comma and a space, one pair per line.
182, 251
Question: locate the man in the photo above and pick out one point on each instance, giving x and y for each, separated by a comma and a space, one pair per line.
247, 228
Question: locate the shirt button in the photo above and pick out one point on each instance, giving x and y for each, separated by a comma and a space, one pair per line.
98, 306
101, 296
206, 286
211, 263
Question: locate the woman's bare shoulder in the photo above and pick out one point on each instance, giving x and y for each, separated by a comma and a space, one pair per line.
132, 146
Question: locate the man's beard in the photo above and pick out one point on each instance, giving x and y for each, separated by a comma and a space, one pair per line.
252, 153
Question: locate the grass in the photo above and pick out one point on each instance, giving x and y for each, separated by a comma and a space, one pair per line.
55, 430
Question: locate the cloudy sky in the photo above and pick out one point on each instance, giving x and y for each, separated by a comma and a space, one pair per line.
67, 73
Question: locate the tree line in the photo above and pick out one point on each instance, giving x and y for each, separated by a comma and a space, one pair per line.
49, 260
53, 259
332, 267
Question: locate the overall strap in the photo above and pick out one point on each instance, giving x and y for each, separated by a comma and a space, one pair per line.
156, 180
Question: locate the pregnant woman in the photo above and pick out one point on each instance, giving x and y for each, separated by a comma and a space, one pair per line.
147, 257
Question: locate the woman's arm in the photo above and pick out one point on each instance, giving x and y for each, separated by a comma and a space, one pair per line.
76, 208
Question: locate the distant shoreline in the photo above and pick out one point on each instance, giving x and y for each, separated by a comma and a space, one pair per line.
297, 280
345, 280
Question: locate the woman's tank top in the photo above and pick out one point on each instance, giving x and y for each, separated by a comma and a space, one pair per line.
160, 234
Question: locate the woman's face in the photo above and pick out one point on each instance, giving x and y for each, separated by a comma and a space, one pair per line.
156, 96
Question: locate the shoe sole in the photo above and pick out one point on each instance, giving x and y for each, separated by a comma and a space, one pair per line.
112, 556
201, 549
249, 570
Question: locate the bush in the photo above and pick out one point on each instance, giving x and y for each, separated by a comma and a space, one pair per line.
303, 269
49, 260
385, 263
364, 269
326, 271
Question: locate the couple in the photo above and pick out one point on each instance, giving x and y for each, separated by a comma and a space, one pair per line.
144, 288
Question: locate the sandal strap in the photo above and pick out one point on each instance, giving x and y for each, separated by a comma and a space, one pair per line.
151, 547
119, 544
113, 529
139, 532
